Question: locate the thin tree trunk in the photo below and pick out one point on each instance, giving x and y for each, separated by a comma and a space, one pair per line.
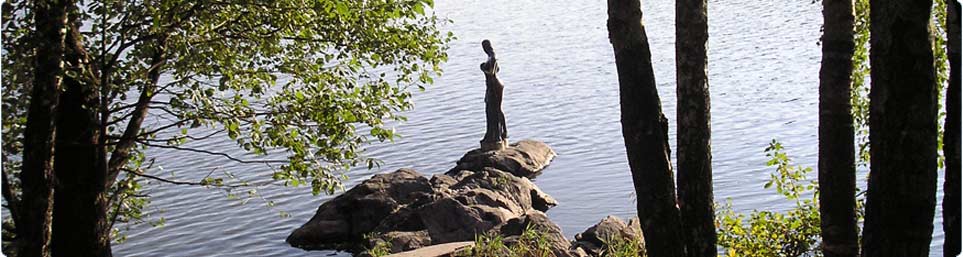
901, 199
644, 129
693, 141
81, 227
122, 150
37, 178
837, 157
951, 136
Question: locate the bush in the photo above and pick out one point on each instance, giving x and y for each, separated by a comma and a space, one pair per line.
529, 244
768, 233
624, 247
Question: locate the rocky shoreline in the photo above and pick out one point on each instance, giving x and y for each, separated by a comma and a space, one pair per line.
488, 192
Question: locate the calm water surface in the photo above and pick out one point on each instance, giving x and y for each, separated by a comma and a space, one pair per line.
561, 88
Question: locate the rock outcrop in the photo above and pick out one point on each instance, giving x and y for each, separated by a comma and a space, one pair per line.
525, 158
595, 239
487, 191
548, 230
478, 202
377, 204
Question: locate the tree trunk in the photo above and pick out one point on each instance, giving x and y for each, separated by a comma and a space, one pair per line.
951, 136
81, 227
694, 152
644, 129
81, 224
901, 199
37, 177
837, 157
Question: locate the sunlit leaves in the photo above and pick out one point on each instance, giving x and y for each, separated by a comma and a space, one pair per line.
787, 177
305, 77
770, 233
308, 82
767, 233
860, 88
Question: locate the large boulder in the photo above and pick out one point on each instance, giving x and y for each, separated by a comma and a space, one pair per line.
350, 216
405, 211
478, 202
525, 158
595, 239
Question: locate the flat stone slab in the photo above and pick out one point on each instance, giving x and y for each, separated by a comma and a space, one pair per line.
440, 250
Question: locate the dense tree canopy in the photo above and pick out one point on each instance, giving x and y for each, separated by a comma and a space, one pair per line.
295, 78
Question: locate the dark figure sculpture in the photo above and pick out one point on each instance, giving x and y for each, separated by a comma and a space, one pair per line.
496, 131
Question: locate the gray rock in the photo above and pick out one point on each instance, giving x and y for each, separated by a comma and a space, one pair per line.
441, 182
548, 230
487, 192
525, 158
357, 212
520, 189
400, 241
594, 239
479, 202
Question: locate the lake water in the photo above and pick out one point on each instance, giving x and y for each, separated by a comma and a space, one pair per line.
561, 88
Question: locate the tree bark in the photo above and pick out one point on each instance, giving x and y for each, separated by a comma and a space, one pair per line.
37, 177
644, 129
81, 227
901, 198
951, 136
837, 157
122, 150
694, 151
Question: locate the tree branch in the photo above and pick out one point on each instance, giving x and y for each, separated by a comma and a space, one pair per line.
13, 204
122, 151
227, 156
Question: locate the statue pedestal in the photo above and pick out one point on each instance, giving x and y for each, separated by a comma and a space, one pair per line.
494, 145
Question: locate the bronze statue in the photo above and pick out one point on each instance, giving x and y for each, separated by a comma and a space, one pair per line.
496, 132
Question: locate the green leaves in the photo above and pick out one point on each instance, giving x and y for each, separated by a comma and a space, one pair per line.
301, 78
531, 243
768, 233
310, 82
787, 177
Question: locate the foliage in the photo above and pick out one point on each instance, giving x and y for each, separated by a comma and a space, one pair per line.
769, 233
860, 89
381, 248
309, 81
942, 69
624, 247
796, 232
531, 243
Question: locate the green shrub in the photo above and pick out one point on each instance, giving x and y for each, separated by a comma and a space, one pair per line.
768, 233
531, 243
623, 247
380, 248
